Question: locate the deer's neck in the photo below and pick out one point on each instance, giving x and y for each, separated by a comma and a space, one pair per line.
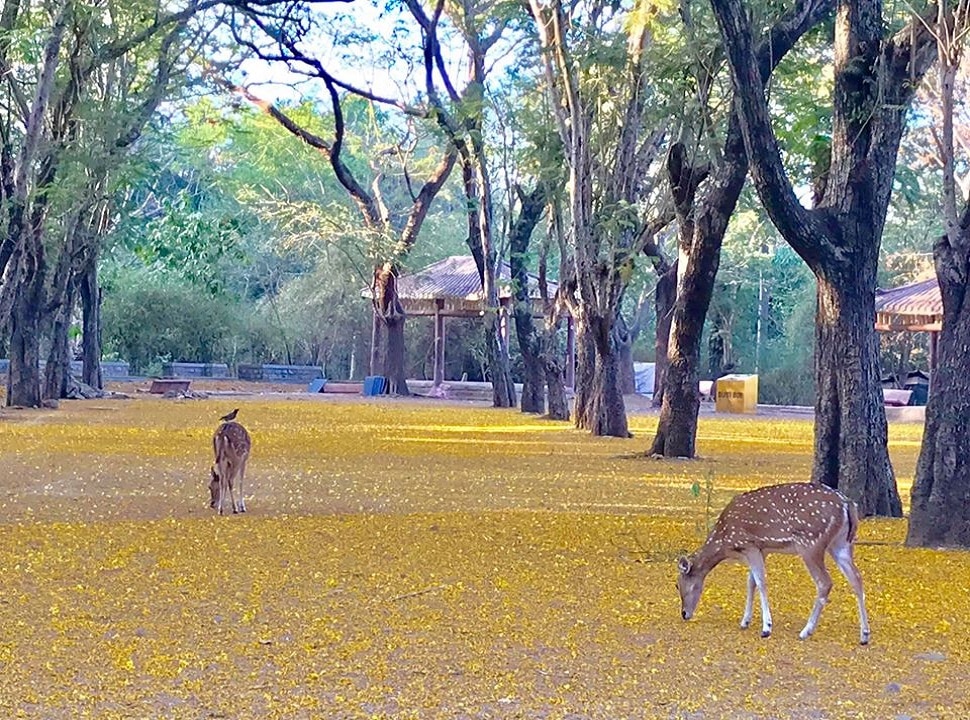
711, 554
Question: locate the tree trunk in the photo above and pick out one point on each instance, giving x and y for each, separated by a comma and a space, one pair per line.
940, 501
499, 372
599, 407
533, 375
391, 315
623, 342
530, 340
23, 381
677, 426
851, 431
90, 293
394, 369
556, 391
58, 369
665, 296
702, 225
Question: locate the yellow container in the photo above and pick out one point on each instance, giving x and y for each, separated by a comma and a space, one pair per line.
737, 394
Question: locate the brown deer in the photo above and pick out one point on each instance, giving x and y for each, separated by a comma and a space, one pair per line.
804, 519
231, 444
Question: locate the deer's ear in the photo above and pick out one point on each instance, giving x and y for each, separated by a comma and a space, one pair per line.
684, 565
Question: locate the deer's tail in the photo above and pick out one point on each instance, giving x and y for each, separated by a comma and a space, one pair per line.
852, 514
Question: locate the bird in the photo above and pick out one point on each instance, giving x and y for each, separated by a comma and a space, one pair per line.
230, 417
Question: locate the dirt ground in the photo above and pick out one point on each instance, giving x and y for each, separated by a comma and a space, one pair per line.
421, 559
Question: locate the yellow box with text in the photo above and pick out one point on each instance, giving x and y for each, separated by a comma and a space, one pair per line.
737, 394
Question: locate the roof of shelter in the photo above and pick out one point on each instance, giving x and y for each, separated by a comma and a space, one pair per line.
453, 285
916, 306
457, 277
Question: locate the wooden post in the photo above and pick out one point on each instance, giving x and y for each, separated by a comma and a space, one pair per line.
570, 379
934, 350
439, 343
375, 345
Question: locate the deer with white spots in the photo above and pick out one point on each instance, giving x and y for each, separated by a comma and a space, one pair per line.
804, 519
231, 444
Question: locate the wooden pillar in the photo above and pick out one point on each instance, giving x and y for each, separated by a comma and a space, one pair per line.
374, 366
439, 343
570, 379
934, 350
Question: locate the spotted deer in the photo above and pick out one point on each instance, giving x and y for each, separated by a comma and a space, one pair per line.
804, 519
231, 444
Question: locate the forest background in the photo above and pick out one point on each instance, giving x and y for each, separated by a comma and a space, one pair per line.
226, 237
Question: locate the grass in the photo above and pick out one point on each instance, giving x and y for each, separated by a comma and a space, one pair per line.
422, 560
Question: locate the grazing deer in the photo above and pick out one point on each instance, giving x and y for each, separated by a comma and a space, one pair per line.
804, 519
231, 444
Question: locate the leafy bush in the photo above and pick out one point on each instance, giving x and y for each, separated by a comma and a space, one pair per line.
148, 321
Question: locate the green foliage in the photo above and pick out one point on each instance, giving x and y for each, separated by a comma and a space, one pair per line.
147, 322
188, 241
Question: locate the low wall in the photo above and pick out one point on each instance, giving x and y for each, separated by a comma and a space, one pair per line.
195, 370
110, 369
301, 374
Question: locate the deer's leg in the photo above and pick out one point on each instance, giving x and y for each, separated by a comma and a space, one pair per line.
232, 497
843, 558
756, 567
815, 562
222, 490
749, 603
242, 495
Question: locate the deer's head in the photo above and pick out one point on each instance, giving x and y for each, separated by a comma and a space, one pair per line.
690, 582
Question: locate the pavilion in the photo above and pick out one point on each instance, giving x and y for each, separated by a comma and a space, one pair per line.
916, 307
453, 288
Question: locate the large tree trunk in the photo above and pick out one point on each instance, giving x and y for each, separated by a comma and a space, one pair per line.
599, 407
58, 369
623, 342
391, 315
940, 501
90, 293
533, 375
556, 391
677, 426
665, 295
499, 371
702, 225
851, 432
394, 366
530, 340
23, 381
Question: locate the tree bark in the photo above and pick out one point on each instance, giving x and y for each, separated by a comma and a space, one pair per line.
391, 316
665, 295
940, 501
849, 397
623, 342
90, 294
599, 407
58, 369
23, 381
529, 338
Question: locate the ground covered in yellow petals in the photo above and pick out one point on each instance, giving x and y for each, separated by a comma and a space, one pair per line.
411, 559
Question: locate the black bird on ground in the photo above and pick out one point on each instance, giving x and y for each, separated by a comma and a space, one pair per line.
230, 417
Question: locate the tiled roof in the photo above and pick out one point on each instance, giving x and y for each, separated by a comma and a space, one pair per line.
920, 298
457, 277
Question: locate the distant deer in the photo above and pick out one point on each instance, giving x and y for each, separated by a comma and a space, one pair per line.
231, 444
804, 519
